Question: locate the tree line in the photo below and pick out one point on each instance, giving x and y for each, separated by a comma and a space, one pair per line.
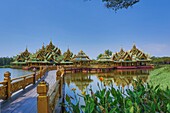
160, 60
4, 61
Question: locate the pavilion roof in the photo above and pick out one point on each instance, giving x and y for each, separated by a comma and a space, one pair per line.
81, 56
133, 55
104, 58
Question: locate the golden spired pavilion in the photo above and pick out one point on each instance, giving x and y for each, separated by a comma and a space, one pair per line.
52, 55
48, 55
131, 59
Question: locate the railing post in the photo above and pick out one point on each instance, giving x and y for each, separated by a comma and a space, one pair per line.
41, 74
7, 79
58, 77
34, 76
43, 99
58, 74
24, 83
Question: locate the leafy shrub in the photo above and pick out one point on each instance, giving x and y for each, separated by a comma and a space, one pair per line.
143, 98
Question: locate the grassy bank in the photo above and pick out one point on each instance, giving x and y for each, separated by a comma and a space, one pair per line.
161, 75
7, 66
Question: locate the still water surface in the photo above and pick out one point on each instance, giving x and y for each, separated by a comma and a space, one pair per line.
119, 78
14, 72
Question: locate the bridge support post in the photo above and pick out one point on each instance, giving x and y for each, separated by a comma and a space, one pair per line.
43, 99
7, 79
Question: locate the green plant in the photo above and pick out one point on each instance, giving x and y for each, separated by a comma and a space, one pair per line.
142, 98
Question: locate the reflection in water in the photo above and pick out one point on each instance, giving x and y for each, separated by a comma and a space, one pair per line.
122, 78
119, 78
80, 80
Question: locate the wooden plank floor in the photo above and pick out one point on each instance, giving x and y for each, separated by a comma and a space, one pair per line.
25, 101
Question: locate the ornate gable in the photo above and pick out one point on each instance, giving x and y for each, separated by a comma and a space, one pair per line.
122, 52
127, 57
143, 57
50, 47
67, 56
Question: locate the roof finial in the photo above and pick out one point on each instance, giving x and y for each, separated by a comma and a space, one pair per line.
26, 48
134, 45
68, 48
43, 46
51, 42
121, 47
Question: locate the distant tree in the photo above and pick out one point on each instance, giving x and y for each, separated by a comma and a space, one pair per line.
108, 52
119, 4
5, 61
99, 56
160, 60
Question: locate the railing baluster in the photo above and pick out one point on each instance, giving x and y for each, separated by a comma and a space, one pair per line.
7, 79
43, 99
24, 82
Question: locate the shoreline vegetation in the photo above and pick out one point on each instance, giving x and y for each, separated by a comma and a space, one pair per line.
150, 98
6, 66
160, 76
143, 98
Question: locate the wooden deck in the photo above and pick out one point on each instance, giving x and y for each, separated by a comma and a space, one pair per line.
25, 101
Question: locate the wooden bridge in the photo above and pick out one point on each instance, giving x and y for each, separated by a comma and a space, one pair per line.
37, 92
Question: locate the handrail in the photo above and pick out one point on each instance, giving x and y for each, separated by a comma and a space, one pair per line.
48, 98
21, 77
2, 82
9, 86
52, 89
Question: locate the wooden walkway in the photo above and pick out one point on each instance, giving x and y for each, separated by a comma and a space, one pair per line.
25, 101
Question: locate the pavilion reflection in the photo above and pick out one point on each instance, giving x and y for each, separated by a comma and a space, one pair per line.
124, 77
81, 80
118, 77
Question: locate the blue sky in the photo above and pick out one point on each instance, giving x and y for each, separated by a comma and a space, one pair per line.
86, 25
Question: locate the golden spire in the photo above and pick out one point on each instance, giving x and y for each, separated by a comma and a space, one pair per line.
134, 46
121, 49
51, 43
68, 50
26, 50
43, 46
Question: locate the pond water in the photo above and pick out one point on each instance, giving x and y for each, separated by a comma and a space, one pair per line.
119, 78
14, 72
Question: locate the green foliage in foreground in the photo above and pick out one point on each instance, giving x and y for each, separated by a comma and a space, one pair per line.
143, 98
160, 76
